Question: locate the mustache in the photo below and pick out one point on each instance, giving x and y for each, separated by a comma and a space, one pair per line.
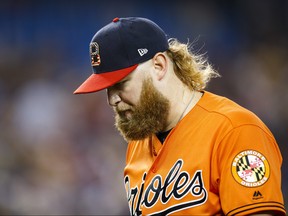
123, 108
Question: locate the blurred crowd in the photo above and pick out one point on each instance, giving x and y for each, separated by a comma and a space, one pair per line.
60, 153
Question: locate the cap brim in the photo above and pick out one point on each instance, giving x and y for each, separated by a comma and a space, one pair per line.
98, 82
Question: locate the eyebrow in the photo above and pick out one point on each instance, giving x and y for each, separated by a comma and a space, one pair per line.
119, 83
128, 77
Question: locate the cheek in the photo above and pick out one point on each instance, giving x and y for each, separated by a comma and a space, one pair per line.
132, 96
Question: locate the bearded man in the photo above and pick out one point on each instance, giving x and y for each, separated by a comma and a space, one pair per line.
190, 151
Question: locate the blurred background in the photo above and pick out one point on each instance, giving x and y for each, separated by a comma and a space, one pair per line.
59, 152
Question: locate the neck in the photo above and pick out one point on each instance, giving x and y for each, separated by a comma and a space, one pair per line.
182, 108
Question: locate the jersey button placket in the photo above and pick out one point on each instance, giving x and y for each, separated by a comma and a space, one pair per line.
154, 150
155, 153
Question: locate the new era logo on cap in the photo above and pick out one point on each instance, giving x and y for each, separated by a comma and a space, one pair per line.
142, 51
118, 48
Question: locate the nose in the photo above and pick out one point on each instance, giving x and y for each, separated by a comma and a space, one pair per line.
113, 97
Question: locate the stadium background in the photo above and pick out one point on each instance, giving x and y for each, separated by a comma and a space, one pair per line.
60, 153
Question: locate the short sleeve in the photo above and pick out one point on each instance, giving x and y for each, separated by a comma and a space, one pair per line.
250, 172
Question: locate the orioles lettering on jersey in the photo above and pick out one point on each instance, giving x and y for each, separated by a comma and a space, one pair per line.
211, 163
176, 184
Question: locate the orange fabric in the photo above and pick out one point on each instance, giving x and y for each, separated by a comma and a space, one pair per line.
219, 159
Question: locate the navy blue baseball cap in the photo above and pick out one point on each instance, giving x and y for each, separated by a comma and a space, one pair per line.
118, 48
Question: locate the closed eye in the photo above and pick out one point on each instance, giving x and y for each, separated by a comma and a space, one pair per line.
120, 85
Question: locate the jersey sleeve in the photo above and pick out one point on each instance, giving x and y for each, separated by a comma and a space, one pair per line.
250, 172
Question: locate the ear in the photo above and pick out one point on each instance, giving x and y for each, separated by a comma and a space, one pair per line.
160, 63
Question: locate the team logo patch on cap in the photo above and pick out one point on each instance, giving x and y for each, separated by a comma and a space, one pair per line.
94, 53
250, 168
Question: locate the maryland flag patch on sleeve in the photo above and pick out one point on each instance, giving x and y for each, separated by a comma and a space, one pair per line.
250, 168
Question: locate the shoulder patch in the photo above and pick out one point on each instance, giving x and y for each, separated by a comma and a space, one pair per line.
250, 168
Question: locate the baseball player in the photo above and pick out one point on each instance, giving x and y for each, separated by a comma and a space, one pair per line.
190, 152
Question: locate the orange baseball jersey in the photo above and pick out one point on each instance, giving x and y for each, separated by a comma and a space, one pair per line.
219, 159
